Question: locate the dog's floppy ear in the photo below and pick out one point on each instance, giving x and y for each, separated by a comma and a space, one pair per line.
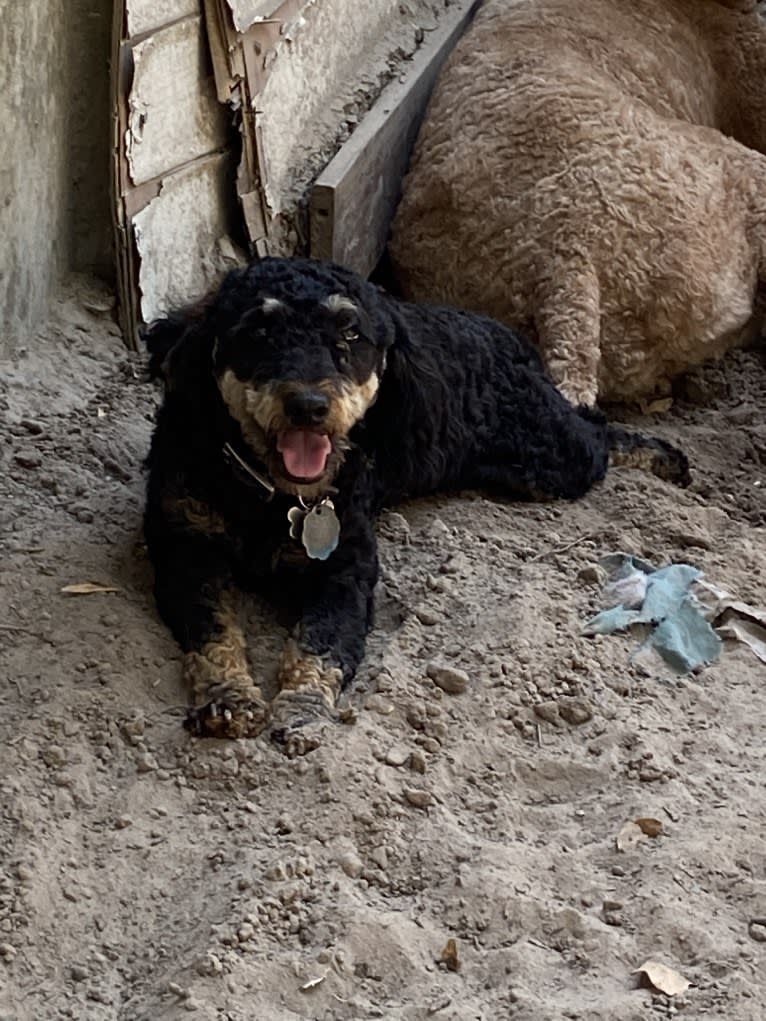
180, 346
160, 337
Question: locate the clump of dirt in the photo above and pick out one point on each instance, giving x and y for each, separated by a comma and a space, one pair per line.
497, 753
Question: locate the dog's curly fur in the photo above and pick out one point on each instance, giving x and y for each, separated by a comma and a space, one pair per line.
594, 171
321, 384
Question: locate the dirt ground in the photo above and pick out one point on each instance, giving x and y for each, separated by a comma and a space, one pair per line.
147, 875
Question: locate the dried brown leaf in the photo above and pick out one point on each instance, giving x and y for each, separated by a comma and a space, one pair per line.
87, 588
663, 978
634, 832
651, 827
449, 955
657, 406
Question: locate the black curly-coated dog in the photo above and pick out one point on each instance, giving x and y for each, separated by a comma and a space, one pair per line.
299, 400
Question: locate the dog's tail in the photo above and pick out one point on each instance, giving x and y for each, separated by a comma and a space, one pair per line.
648, 453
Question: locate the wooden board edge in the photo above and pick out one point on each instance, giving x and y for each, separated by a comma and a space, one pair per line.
334, 190
123, 247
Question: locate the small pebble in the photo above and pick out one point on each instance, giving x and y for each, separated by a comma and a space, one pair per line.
98, 996
78, 972
7, 951
418, 798
28, 459
396, 527
380, 857
438, 530
146, 762
575, 710
134, 727
53, 755
427, 616
592, 574
208, 965
448, 678
351, 864
32, 426
417, 761
378, 704
276, 872
397, 755
548, 711
650, 774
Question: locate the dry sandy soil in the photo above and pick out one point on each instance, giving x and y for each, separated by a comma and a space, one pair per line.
147, 875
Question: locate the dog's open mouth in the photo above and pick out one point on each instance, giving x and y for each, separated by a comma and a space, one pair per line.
304, 453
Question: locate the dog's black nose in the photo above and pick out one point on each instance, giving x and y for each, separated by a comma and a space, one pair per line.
307, 407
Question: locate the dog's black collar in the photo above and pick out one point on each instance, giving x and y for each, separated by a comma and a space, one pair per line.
248, 474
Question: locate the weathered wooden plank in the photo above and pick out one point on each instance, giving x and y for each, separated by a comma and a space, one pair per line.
220, 52
148, 15
354, 198
119, 76
174, 115
183, 237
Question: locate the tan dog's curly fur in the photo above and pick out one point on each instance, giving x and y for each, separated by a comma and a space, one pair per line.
589, 170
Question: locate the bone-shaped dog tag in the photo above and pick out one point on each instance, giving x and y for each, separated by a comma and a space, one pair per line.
321, 531
295, 516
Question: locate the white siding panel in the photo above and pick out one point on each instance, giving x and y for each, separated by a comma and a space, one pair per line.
174, 113
148, 15
181, 238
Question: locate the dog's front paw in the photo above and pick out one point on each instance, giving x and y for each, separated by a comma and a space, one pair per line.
300, 721
227, 718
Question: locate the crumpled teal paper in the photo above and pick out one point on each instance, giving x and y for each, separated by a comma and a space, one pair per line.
680, 634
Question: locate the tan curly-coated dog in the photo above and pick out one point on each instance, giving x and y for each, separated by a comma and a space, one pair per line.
590, 170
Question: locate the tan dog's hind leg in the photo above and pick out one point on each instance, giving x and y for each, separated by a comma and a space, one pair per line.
568, 323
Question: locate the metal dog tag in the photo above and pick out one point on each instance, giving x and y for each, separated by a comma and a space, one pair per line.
295, 516
321, 530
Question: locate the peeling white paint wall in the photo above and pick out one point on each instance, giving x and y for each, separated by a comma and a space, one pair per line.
176, 204
148, 15
174, 113
312, 69
325, 50
181, 237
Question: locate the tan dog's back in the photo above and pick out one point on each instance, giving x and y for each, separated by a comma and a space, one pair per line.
570, 175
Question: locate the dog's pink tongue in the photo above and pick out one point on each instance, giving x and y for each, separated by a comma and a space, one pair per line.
304, 453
